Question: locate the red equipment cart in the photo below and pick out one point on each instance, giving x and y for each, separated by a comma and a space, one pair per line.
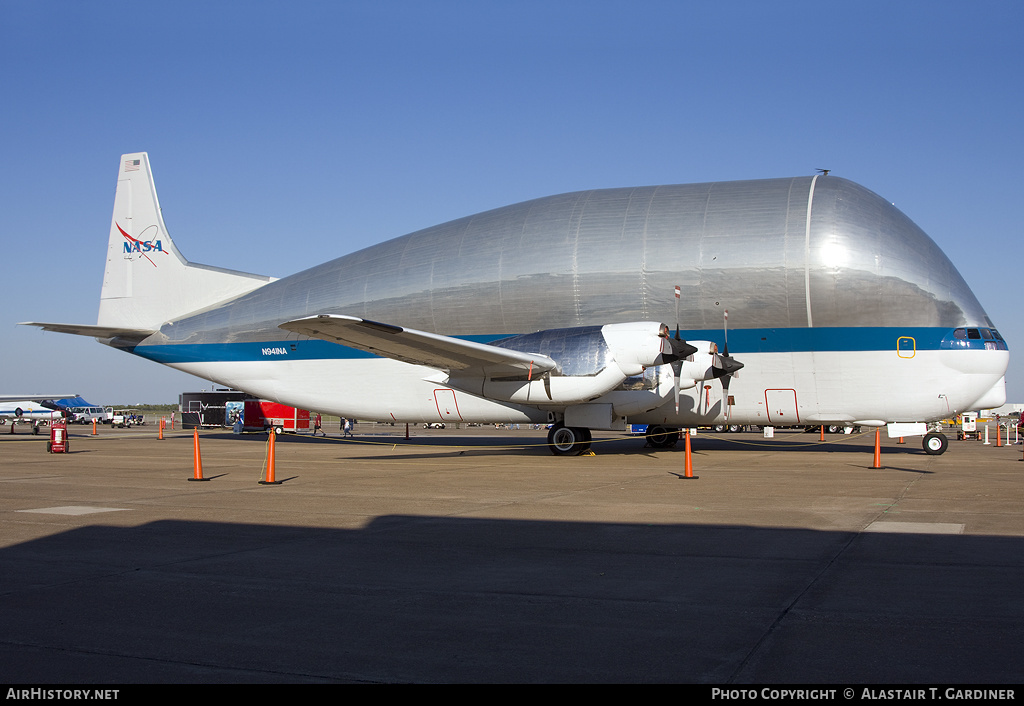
58, 443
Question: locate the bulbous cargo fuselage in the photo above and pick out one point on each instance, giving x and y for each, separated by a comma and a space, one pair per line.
839, 307
780, 253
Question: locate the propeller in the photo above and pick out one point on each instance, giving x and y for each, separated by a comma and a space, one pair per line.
680, 351
726, 366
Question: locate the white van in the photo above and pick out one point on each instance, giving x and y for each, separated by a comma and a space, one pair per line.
85, 415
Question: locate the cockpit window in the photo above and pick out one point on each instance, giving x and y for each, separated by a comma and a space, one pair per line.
974, 338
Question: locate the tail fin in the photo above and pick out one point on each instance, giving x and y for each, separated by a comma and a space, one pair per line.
147, 282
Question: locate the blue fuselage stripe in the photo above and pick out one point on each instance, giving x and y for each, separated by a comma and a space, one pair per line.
775, 340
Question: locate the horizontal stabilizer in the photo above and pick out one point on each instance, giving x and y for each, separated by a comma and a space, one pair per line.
420, 347
92, 330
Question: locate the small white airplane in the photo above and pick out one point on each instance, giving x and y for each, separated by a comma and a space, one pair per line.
37, 410
841, 312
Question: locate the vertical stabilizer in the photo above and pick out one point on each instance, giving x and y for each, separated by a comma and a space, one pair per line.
147, 281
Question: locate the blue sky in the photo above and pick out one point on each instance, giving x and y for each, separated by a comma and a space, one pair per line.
285, 134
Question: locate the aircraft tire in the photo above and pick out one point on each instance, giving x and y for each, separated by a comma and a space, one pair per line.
935, 444
662, 437
568, 441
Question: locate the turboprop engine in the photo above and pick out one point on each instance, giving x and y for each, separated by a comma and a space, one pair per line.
592, 361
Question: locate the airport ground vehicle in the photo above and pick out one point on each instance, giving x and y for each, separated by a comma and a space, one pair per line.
126, 418
262, 415
968, 426
86, 415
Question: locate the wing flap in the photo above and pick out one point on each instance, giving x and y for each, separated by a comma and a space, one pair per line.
420, 347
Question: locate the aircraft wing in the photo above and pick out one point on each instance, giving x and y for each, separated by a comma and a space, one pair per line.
32, 398
94, 331
419, 347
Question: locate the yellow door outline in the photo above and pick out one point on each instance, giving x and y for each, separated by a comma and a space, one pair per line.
906, 347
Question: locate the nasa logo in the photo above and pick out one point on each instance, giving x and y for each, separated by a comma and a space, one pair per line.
134, 246
139, 246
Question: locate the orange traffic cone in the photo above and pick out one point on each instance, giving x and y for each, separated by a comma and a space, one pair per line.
688, 463
197, 461
270, 462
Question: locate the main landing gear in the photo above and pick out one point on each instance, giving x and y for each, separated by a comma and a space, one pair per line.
662, 437
568, 441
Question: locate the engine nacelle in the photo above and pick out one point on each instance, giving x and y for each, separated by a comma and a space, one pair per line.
592, 362
700, 365
637, 345
544, 391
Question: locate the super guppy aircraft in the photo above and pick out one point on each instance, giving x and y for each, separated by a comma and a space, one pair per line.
840, 311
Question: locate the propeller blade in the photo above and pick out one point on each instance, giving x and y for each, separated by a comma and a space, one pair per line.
677, 369
726, 365
680, 350
725, 387
678, 292
725, 329
725, 368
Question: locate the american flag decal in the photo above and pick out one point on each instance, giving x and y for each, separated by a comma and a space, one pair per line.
131, 165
